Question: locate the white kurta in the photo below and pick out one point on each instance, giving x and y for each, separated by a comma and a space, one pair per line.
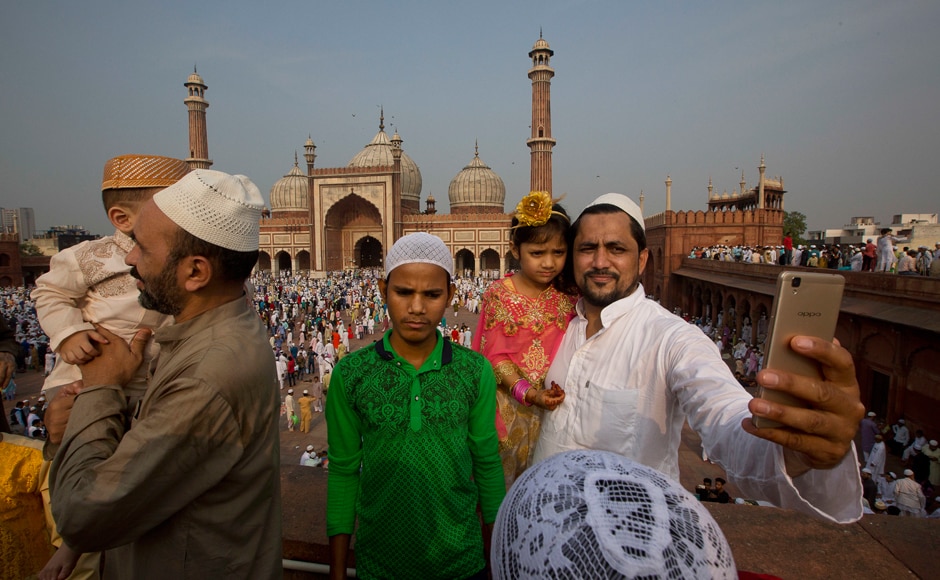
631, 386
90, 283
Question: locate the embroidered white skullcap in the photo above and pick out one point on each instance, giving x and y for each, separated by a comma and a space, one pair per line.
596, 514
222, 209
624, 203
419, 248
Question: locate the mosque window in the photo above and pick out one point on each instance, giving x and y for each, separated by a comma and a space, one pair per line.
4, 260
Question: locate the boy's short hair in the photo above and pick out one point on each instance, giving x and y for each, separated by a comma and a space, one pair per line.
135, 178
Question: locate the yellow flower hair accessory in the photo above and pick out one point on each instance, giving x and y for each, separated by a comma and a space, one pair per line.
535, 209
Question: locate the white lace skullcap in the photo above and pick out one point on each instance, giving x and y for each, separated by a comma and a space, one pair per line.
222, 209
624, 203
419, 248
596, 514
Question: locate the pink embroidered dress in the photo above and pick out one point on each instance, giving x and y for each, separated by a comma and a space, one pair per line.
518, 333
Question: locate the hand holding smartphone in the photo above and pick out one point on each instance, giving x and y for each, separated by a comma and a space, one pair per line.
806, 304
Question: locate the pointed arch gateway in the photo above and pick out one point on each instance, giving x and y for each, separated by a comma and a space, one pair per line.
348, 223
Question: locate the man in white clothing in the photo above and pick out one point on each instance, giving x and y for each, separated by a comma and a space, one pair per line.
633, 373
877, 458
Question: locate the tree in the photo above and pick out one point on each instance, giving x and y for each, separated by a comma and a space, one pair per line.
794, 224
29, 249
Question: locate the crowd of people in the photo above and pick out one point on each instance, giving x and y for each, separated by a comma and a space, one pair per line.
885, 254
916, 492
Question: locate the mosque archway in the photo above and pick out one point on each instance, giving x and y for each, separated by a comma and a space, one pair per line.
264, 262
303, 260
283, 262
464, 263
368, 253
489, 262
347, 221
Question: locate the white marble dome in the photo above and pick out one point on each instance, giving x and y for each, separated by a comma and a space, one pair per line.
477, 189
379, 152
291, 192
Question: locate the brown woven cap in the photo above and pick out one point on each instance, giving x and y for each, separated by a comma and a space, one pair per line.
127, 171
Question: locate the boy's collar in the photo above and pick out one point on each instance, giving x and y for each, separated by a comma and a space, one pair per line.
442, 350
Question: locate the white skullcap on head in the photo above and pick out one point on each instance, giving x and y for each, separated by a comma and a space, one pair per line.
596, 514
309, 448
624, 203
419, 248
908, 472
871, 413
222, 209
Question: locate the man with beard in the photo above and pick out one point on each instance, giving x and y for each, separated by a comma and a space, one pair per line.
633, 373
192, 489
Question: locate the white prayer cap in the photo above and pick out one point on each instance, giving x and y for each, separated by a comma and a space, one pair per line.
419, 248
933, 442
290, 391
624, 203
596, 514
222, 209
901, 421
871, 413
867, 470
892, 474
908, 473
309, 448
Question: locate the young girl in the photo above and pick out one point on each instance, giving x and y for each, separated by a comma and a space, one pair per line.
522, 320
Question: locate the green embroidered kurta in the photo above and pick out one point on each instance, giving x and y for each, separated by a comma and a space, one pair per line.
412, 453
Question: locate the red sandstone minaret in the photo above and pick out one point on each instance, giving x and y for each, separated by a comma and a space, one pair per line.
541, 142
198, 135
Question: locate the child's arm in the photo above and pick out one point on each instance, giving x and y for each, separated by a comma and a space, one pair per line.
80, 347
57, 295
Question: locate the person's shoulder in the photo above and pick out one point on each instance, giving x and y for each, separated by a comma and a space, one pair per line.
465, 354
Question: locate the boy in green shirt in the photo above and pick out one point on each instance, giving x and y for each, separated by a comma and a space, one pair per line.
412, 436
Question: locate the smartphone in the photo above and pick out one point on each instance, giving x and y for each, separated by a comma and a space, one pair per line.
806, 304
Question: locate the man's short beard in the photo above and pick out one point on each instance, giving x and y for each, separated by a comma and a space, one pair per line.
599, 300
163, 296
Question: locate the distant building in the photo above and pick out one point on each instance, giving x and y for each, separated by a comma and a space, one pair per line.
860, 229
57, 238
20, 221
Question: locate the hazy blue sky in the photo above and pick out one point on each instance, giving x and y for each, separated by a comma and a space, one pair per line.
842, 97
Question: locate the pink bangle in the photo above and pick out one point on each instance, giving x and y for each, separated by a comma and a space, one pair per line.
519, 389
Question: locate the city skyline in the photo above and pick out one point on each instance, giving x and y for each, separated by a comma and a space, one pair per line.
837, 97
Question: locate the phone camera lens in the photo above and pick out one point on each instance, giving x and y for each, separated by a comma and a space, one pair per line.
796, 282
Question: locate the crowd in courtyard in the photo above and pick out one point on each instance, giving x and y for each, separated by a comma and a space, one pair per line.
883, 254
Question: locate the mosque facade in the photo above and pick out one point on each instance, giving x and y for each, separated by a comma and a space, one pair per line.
324, 219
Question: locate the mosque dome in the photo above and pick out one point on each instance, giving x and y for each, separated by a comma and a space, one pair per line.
291, 192
477, 189
379, 152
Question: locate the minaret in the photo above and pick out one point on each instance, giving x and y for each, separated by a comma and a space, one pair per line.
642, 199
760, 184
743, 183
310, 154
710, 187
668, 193
541, 142
198, 136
